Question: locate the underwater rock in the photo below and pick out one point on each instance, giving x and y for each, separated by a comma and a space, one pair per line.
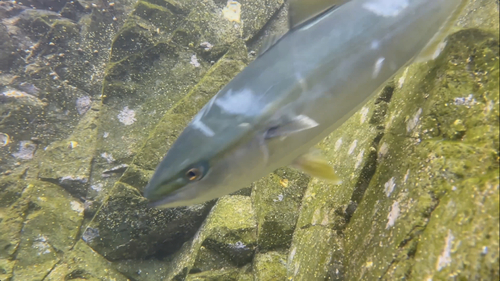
26, 150
313, 251
6, 49
430, 210
227, 239
18, 110
67, 162
62, 60
83, 263
277, 199
257, 13
419, 162
51, 226
234, 233
215, 275
125, 228
52, 5
269, 266
12, 211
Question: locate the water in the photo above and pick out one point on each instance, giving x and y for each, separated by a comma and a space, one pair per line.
92, 93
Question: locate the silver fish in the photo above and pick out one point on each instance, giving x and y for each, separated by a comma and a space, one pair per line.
296, 93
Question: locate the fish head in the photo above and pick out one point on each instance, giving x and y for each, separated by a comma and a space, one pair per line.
201, 166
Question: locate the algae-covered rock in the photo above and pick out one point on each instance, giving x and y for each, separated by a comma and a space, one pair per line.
6, 49
276, 199
67, 162
269, 266
62, 62
18, 110
52, 223
12, 214
325, 208
255, 14
126, 228
85, 264
228, 237
431, 208
313, 250
223, 274
233, 230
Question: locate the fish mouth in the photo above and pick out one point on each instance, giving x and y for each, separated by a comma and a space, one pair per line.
162, 203
171, 200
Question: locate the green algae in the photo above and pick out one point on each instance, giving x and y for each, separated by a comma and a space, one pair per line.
51, 226
124, 227
224, 274
12, 215
269, 266
228, 236
85, 264
312, 252
6, 49
78, 149
276, 199
427, 159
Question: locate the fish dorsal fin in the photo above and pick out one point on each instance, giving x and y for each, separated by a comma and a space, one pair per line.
268, 43
438, 41
300, 11
314, 164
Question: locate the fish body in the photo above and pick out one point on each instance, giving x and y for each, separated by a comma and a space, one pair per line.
293, 95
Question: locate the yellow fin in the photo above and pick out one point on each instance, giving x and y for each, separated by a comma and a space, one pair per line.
300, 11
314, 164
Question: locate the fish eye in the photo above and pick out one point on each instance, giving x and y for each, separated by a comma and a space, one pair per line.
193, 174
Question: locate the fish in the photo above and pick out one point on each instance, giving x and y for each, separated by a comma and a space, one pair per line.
301, 87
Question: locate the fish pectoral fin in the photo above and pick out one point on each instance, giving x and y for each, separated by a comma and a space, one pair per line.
314, 164
297, 124
300, 11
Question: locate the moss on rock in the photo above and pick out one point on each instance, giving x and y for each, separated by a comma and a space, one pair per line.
125, 228
269, 266
78, 149
276, 199
441, 143
6, 49
313, 250
228, 236
52, 223
12, 215
84, 264
215, 275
